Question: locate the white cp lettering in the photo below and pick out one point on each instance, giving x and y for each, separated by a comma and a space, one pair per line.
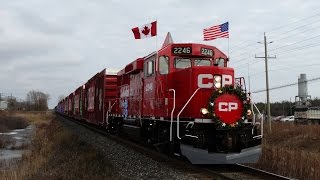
227, 107
226, 80
201, 77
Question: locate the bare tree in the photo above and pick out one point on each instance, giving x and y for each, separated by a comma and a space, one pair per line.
37, 101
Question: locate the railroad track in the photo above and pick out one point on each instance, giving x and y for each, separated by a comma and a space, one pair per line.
240, 171
219, 172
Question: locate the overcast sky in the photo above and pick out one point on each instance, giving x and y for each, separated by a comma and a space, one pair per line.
55, 46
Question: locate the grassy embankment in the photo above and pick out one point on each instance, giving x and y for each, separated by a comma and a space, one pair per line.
56, 153
292, 150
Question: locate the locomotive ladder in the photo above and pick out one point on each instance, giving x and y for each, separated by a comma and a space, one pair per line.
174, 107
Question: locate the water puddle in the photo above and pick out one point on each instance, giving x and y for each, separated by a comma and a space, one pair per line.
17, 142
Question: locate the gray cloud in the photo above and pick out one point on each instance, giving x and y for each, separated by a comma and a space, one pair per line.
36, 23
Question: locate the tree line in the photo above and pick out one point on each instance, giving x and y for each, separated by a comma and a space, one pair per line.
35, 101
284, 108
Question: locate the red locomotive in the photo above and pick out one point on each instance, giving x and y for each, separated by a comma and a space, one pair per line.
182, 99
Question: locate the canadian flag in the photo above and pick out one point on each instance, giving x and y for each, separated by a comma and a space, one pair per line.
145, 31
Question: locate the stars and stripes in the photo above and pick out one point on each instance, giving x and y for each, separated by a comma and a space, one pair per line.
218, 31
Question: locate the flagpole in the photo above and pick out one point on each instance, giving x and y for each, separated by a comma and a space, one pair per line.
157, 46
228, 49
228, 41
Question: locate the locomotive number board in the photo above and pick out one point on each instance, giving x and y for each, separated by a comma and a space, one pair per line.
206, 51
182, 50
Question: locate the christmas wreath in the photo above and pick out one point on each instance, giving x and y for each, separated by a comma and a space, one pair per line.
241, 98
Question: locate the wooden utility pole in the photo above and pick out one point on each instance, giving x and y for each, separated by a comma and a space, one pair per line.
267, 78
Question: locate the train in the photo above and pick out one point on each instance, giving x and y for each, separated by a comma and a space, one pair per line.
182, 99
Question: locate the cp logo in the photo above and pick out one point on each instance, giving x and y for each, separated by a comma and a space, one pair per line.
228, 108
207, 80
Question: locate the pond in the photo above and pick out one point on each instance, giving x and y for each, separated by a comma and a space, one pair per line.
16, 142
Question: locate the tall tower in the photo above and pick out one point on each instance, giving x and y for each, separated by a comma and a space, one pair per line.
302, 98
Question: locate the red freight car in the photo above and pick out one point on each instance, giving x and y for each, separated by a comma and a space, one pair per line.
65, 105
78, 97
182, 99
70, 105
98, 91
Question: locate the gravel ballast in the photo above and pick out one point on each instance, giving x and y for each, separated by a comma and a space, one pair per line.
129, 163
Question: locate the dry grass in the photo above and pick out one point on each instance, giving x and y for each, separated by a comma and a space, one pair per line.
10, 121
56, 153
292, 150
35, 118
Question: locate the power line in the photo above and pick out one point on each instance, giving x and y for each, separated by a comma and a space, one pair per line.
304, 30
298, 48
284, 46
298, 27
288, 24
301, 26
286, 85
280, 69
280, 47
243, 66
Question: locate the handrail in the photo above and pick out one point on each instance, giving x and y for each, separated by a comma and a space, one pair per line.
109, 110
178, 135
261, 116
174, 107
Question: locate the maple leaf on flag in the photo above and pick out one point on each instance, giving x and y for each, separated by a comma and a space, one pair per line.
145, 30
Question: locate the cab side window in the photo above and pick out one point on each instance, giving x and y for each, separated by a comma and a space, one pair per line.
149, 67
163, 65
219, 62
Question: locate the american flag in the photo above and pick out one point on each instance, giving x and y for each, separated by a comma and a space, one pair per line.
218, 31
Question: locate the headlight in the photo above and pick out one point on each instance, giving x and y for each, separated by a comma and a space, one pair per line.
217, 81
204, 111
217, 85
217, 78
249, 112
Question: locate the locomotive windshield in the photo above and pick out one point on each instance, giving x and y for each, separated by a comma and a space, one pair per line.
202, 62
182, 63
